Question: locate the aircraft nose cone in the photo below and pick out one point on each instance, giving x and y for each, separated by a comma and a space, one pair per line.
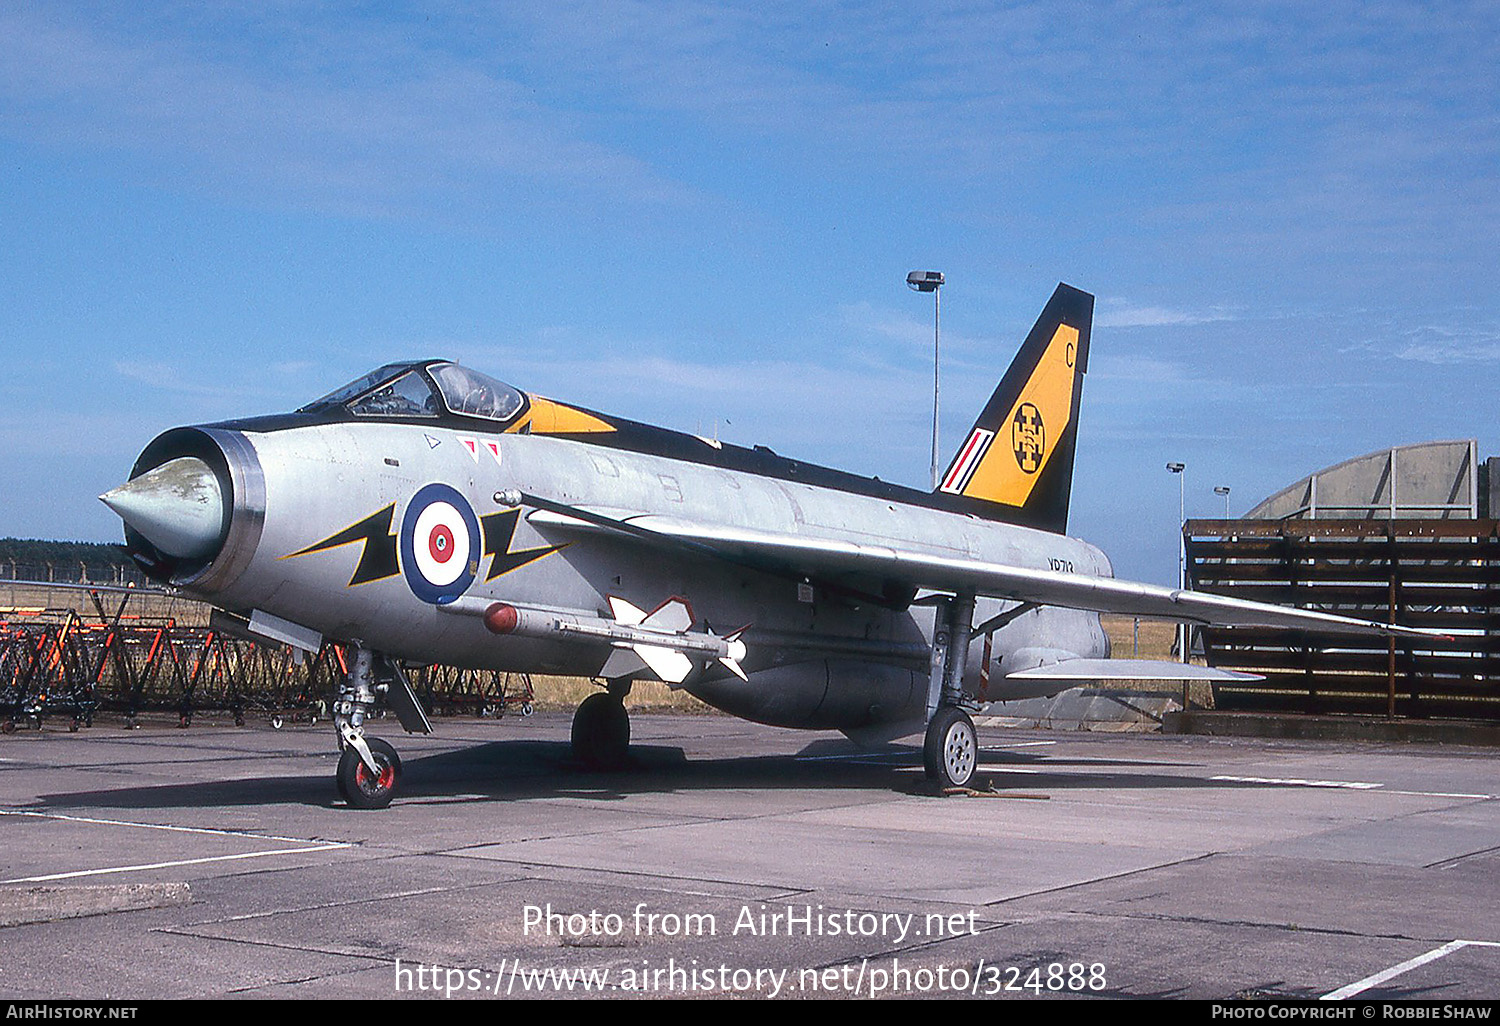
178, 507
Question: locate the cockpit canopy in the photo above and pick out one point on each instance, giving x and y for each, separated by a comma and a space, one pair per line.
424, 389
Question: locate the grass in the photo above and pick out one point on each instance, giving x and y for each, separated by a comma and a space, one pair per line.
1153, 640
562, 694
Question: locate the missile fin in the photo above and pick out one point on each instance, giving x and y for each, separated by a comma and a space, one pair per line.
673, 615
672, 667
622, 662
625, 612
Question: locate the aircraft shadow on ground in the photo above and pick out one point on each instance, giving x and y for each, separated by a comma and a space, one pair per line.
525, 770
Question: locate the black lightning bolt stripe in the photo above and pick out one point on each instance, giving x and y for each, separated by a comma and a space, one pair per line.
499, 529
377, 558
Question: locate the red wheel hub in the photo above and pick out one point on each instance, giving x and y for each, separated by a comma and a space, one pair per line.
386, 779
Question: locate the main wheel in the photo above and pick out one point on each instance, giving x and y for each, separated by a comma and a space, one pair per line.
951, 752
363, 789
601, 732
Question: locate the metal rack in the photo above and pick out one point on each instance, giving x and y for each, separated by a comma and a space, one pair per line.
1443, 574
94, 654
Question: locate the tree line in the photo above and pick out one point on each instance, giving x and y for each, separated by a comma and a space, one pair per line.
26, 556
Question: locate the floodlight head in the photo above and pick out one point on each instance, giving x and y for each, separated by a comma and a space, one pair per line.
924, 281
1221, 490
1176, 468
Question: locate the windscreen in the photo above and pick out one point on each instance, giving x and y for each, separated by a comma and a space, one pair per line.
358, 386
408, 396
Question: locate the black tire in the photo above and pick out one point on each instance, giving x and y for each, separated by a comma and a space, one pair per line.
601, 732
951, 751
363, 789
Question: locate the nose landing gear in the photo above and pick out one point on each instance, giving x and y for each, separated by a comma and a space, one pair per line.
369, 768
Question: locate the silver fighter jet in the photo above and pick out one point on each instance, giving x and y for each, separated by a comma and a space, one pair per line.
427, 513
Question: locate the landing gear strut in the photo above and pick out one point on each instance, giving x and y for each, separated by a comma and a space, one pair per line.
601, 729
950, 751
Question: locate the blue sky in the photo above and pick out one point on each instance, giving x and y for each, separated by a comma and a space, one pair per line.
693, 214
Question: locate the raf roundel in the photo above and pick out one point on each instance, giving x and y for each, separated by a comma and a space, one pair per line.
440, 546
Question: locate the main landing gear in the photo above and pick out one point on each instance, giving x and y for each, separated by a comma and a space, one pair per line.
950, 750
601, 728
369, 769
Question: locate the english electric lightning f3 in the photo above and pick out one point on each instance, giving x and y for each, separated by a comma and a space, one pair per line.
428, 513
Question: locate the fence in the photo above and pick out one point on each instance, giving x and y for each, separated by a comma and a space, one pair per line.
73, 572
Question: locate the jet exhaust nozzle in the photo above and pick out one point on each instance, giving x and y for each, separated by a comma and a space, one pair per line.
178, 507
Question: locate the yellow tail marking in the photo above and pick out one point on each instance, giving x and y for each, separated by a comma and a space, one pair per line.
549, 418
1025, 439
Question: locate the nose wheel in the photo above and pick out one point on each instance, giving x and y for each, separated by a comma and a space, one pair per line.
362, 788
950, 753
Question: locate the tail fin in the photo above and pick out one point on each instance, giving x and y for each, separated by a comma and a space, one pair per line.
1016, 462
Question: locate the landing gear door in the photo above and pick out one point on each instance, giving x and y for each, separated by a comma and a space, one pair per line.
404, 701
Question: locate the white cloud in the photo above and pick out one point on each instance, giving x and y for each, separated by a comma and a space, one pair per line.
425, 131
200, 394
1118, 313
862, 320
1446, 346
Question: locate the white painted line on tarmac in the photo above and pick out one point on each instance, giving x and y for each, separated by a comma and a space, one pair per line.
858, 757
873, 757
1360, 986
165, 826
306, 844
169, 865
1353, 785
1441, 794
443, 799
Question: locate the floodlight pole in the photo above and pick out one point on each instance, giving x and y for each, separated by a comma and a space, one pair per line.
937, 305
1179, 469
932, 281
1224, 491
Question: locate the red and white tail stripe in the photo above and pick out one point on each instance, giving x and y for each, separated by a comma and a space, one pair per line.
968, 460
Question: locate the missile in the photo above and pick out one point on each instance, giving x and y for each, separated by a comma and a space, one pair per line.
659, 640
